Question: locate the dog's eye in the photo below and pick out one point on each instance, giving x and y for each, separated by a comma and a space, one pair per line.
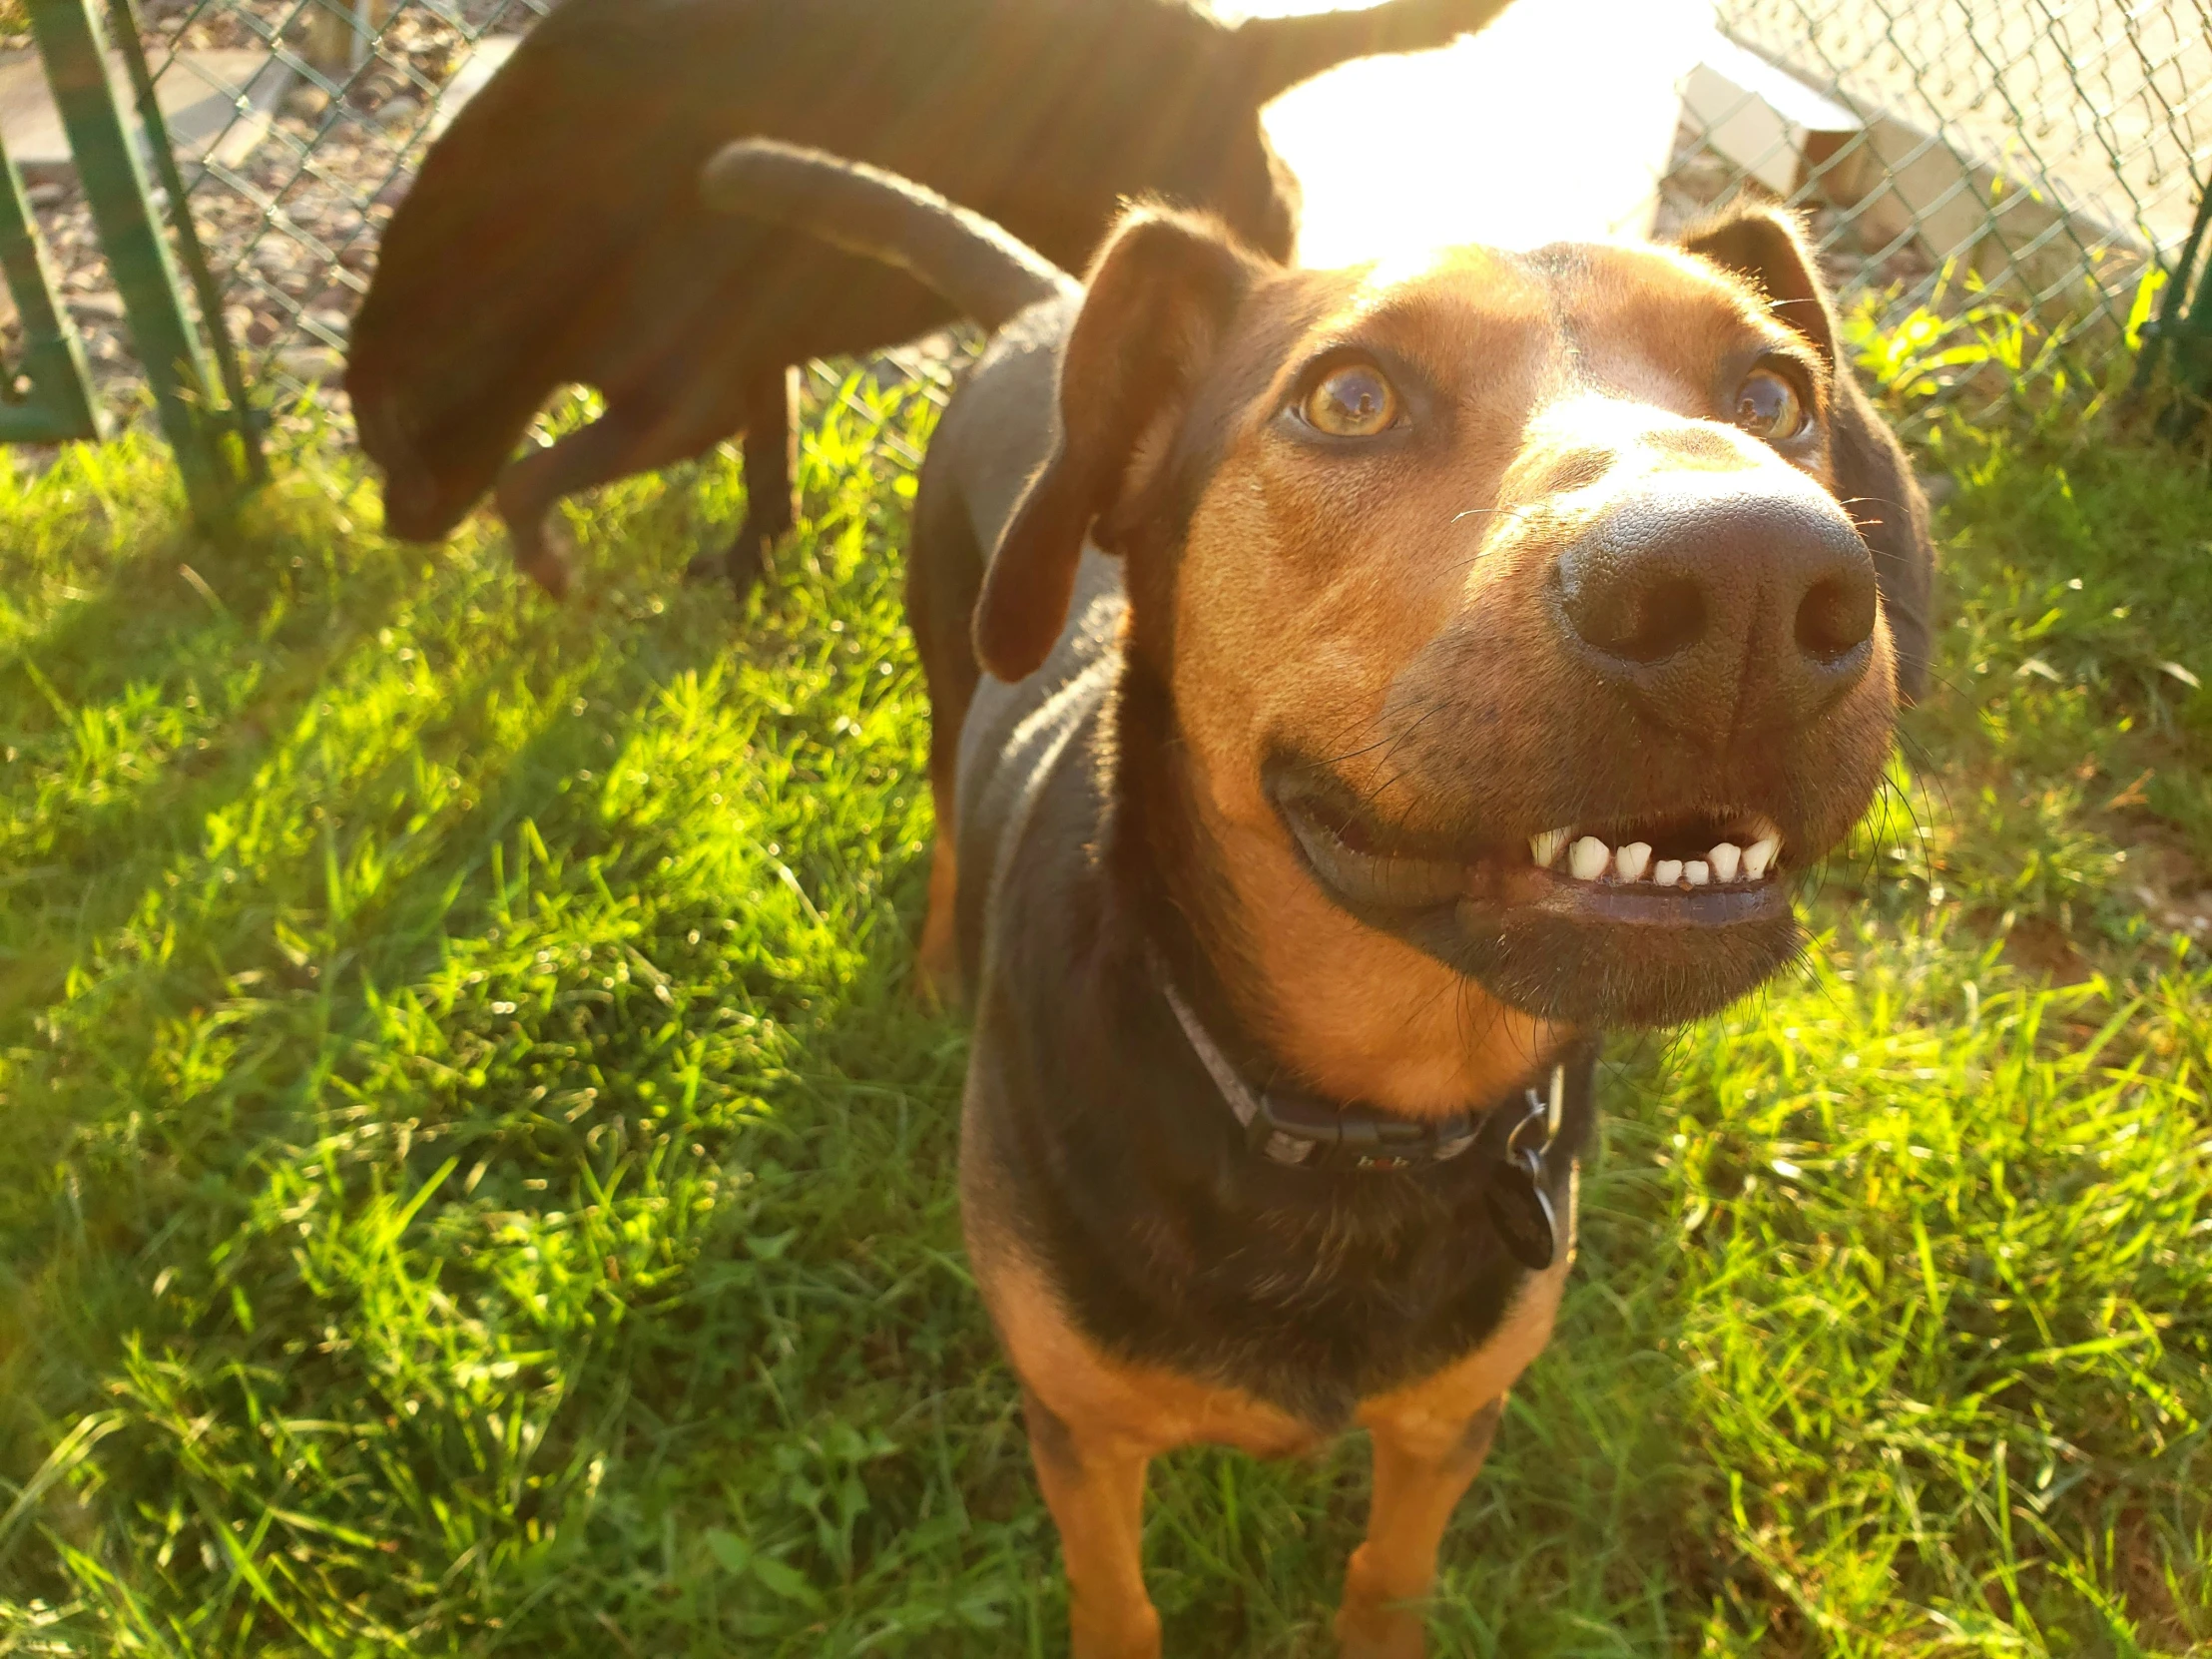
1769, 409
1354, 402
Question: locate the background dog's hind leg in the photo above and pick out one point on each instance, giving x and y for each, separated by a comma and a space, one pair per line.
1422, 1470
1095, 1491
771, 452
937, 956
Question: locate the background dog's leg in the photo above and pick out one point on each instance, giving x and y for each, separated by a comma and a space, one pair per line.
937, 956
944, 572
658, 422
1421, 1469
770, 470
1095, 1491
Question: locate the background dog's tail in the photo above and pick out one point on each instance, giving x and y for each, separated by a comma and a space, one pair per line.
1283, 51
962, 254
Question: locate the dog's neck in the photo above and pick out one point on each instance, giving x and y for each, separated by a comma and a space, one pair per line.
1171, 875
1168, 873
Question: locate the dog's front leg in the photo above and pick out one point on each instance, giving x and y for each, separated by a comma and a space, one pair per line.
654, 421
1094, 1485
1423, 1467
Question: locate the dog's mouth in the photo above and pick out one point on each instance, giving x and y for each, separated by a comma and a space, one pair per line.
1677, 860
1633, 920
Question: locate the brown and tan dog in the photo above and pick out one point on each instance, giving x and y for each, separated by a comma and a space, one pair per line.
1395, 677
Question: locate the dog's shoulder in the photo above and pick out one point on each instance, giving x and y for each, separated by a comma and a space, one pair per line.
1027, 757
1001, 424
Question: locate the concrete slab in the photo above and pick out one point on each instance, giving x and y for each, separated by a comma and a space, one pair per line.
1771, 125
218, 106
1556, 122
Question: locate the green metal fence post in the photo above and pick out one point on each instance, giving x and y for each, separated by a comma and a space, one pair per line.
74, 48
56, 403
131, 39
2180, 337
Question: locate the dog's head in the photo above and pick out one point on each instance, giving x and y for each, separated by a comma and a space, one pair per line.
1515, 628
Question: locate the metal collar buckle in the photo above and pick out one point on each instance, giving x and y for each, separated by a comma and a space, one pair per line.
1518, 1195
1330, 1138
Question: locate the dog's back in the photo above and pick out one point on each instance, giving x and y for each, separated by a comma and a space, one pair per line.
556, 234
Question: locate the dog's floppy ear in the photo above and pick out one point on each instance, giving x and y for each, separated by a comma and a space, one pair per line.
1767, 249
1161, 296
1874, 479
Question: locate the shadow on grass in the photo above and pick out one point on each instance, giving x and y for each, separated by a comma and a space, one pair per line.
518, 1209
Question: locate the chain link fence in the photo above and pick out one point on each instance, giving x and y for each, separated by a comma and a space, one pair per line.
2000, 176
2019, 172
299, 125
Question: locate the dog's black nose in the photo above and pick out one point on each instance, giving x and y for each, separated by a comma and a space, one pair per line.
1722, 602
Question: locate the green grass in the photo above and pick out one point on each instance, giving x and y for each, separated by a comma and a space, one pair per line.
475, 1179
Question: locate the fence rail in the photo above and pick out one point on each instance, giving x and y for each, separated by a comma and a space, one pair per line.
2026, 160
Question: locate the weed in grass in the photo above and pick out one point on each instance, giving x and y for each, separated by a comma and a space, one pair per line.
476, 1179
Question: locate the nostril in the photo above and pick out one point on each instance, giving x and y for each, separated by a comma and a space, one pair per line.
1834, 617
1645, 622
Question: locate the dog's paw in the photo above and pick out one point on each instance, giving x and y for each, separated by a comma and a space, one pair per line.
1374, 1621
1130, 1633
547, 560
743, 564
1381, 1633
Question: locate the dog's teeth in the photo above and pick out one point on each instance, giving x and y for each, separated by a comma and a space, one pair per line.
1697, 873
1544, 849
1666, 873
1726, 859
1632, 860
1587, 859
1759, 856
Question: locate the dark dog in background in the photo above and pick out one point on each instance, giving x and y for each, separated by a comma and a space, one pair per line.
555, 234
1379, 685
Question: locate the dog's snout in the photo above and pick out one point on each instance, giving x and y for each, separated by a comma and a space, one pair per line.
1720, 603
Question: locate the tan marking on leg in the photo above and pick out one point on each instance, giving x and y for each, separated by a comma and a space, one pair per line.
1094, 1485
1430, 1438
1095, 1422
1415, 1490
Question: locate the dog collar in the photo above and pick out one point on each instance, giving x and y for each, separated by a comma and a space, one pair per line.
1299, 1130
1309, 1134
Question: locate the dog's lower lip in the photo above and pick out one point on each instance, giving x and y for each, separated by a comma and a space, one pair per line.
1528, 891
